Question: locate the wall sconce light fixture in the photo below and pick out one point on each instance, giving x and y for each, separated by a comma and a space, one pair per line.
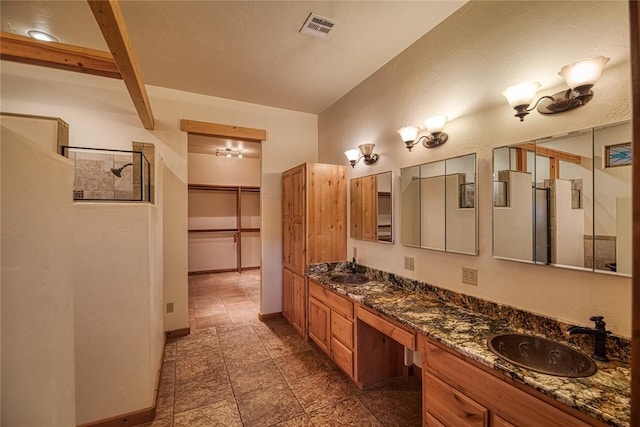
579, 76
354, 155
434, 126
228, 152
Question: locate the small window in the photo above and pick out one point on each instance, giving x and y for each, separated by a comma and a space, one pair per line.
617, 155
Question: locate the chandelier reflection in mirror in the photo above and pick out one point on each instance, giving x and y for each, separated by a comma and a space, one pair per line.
229, 152
364, 151
579, 76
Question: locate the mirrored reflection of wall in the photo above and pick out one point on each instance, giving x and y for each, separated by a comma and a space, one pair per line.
371, 208
558, 201
439, 205
410, 203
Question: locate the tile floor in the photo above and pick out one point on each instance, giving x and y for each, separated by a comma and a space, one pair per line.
233, 370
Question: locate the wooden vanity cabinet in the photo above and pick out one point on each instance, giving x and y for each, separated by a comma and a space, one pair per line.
459, 393
314, 210
330, 325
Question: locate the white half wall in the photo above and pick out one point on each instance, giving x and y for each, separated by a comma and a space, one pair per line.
118, 332
38, 380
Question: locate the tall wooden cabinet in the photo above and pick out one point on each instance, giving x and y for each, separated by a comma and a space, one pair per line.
314, 210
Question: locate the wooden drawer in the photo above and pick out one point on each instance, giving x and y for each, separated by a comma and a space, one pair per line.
333, 300
391, 329
342, 356
511, 403
342, 329
451, 407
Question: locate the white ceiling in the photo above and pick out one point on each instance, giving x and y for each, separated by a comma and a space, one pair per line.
246, 50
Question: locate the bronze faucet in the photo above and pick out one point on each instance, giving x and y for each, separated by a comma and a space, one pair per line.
600, 335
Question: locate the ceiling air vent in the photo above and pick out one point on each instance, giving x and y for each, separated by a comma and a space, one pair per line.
318, 26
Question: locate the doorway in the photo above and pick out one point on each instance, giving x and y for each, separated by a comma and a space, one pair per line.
224, 242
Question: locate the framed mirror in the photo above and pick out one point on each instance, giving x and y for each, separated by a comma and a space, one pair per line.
565, 200
439, 205
371, 208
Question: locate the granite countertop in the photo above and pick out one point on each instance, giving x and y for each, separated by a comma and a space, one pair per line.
606, 395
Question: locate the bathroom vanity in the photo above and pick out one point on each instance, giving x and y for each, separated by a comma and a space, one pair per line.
365, 329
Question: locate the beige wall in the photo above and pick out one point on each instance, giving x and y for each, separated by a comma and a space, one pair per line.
174, 228
210, 169
100, 114
38, 380
425, 80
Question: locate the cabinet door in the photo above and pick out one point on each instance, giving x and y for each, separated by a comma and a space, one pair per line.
297, 194
287, 295
451, 407
326, 220
319, 323
287, 196
297, 248
298, 303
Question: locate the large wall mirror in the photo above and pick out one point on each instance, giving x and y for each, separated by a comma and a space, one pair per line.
372, 208
438, 202
566, 200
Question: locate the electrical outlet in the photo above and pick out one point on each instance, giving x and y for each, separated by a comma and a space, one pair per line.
355, 252
469, 276
169, 307
409, 263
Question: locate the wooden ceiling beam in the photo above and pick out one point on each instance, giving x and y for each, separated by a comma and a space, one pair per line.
111, 23
26, 50
541, 150
223, 131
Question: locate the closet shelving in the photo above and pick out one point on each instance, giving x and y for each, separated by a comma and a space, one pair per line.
240, 221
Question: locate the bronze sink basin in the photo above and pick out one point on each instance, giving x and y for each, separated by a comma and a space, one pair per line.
349, 278
542, 355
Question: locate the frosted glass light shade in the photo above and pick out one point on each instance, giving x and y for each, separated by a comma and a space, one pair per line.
408, 133
435, 124
521, 94
583, 72
352, 155
366, 149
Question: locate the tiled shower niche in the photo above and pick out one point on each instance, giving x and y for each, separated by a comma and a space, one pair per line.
102, 174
